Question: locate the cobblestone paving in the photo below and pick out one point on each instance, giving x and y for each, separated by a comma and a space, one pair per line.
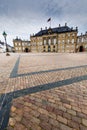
43, 91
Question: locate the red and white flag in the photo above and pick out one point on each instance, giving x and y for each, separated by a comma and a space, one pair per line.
49, 20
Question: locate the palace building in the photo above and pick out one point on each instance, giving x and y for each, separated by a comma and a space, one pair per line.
82, 42
21, 45
59, 39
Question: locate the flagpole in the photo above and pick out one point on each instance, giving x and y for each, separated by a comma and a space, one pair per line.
50, 23
49, 20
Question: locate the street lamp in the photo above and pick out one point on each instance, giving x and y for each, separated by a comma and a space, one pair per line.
5, 35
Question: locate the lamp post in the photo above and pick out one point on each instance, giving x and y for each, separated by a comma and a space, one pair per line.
5, 35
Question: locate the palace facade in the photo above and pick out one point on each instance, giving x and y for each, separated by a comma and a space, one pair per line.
82, 43
59, 39
21, 45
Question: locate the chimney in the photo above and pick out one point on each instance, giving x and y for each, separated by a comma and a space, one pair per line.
41, 29
59, 25
81, 34
45, 28
17, 37
76, 28
65, 24
71, 28
86, 32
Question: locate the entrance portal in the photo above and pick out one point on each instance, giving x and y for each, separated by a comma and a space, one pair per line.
26, 50
81, 49
48, 48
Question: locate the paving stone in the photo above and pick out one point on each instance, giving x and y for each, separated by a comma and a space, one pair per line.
65, 127
43, 90
18, 125
67, 116
12, 122
72, 112
81, 115
67, 106
45, 126
13, 109
76, 119
73, 124
62, 120
84, 122
52, 115
42, 111
43, 117
62, 108
83, 127
54, 122
76, 109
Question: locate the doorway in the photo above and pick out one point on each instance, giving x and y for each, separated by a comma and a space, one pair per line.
26, 50
81, 49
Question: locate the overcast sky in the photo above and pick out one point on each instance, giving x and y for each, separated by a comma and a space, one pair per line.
24, 17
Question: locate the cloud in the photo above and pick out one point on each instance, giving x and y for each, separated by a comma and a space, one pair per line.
24, 17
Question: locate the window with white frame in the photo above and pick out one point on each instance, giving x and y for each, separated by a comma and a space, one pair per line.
68, 34
63, 46
40, 43
78, 40
63, 41
73, 34
72, 41
54, 41
22, 44
19, 44
85, 46
19, 48
58, 41
16, 48
23, 48
63, 35
33, 43
44, 41
49, 41
82, 39
68, 41
15, 43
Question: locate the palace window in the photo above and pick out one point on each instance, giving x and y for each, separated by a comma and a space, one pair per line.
63, 35
63, 41
82, 39
45, 42
59, 42
19, 44
16, 48
15, 44
68, 34
63, 46
54, 41
49, 41
40, 43
33, 44
19, 48
73, 34
22, 44
72, 40
68, 41
85, 46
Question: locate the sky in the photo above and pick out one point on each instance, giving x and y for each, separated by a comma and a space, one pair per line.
24, 17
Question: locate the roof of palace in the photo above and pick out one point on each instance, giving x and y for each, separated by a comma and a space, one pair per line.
62, 29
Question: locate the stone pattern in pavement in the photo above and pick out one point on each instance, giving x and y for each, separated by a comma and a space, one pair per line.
59, 108
62, 108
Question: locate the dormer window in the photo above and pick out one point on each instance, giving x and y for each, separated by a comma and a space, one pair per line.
50, 31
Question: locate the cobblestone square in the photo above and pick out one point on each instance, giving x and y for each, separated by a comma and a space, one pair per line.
43, 91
